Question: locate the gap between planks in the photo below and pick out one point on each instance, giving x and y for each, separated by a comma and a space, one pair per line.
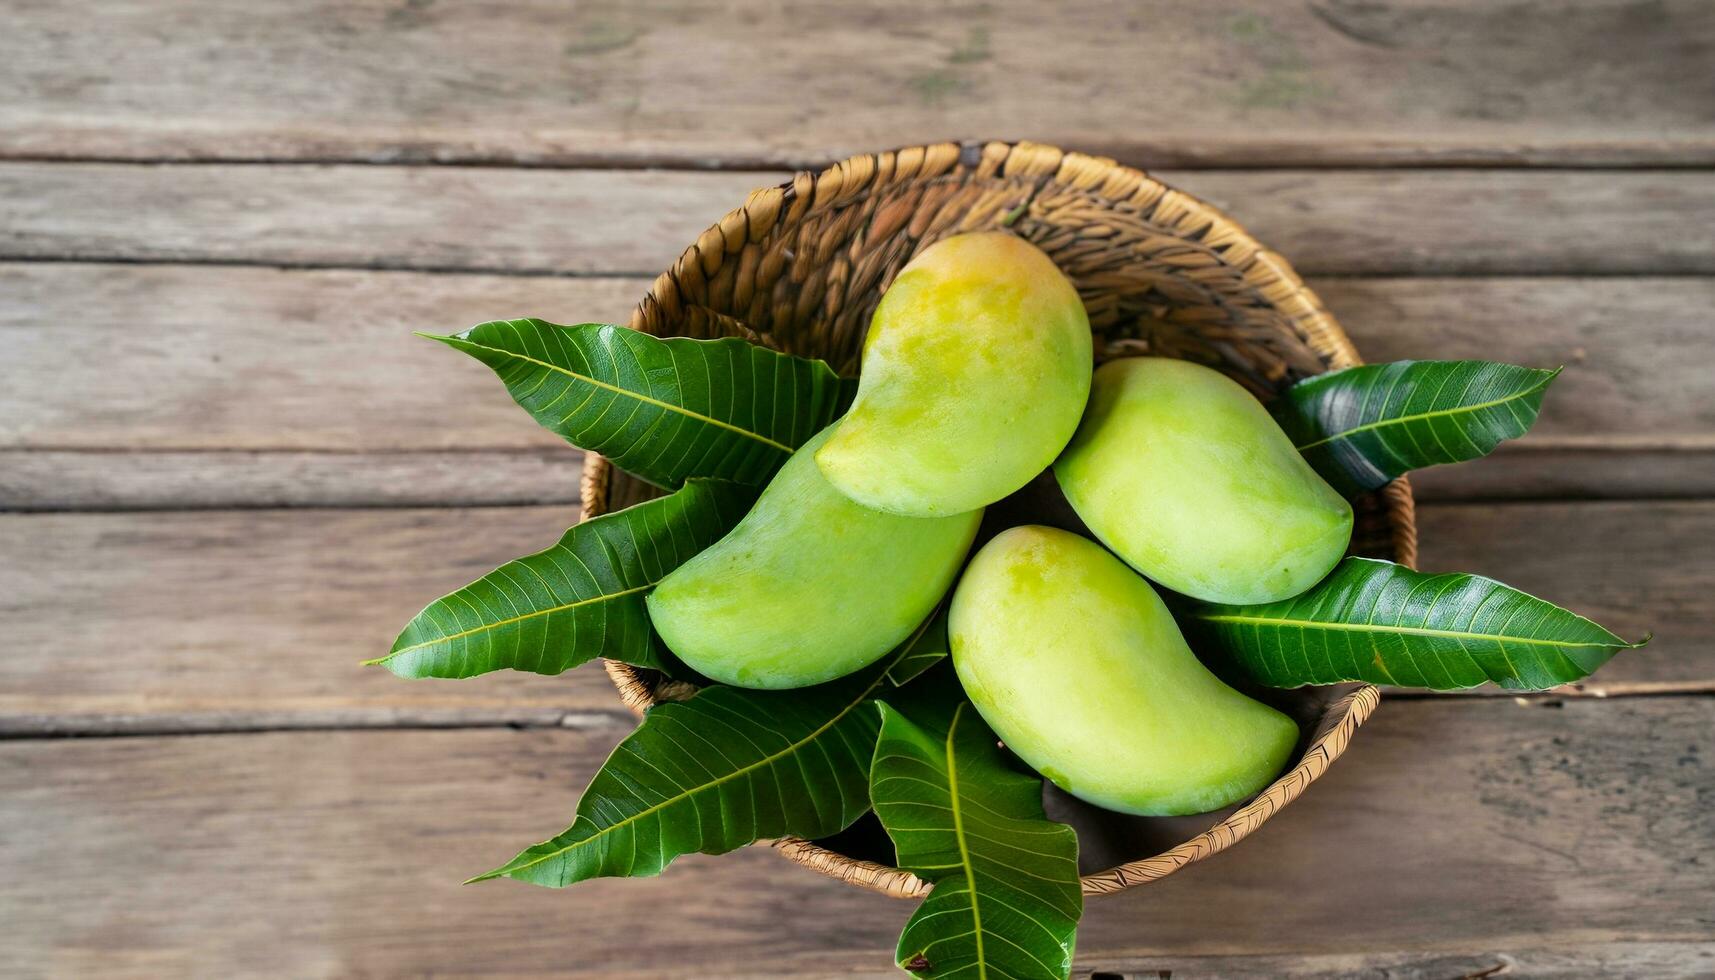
1570, 157
49, 727
122, 480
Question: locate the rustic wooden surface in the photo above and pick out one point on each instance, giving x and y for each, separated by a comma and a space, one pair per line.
247, 386
755, 82
1572, 825
228, 473
259, 618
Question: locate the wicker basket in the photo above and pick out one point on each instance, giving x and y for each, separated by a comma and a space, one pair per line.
800, 268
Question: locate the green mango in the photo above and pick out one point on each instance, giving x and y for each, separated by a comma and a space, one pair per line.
1185, 475
1076, 663
975, 372
809, 586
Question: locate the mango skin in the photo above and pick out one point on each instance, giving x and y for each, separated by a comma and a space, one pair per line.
1077, 664
1186, 476
975, 372
809, 586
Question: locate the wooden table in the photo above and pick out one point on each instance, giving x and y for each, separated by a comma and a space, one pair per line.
229, 473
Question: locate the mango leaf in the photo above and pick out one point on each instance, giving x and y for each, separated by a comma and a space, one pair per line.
923, 650
1387, 624
1006, 899
728, 767
663, 410
1363, 426
580, 599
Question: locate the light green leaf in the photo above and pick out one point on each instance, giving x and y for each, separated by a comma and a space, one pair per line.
665, 410
728, 767
1366, 425
1387, 624
923, 650
580, 599
1006, 900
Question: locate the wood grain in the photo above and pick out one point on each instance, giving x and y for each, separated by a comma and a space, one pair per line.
194, 359
1633, 567
240, 387
1340, 222
339, 853
57, 480
466, 218
203, 621
1659, 961
257, 619
753, 82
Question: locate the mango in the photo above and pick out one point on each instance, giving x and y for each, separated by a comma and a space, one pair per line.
975, 370
1076, 663
1185, 475
809, 586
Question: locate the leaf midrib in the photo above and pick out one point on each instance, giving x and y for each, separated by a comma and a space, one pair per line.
788, 750
628, 393
506, 622
959, 835
1420, 416
1403, 630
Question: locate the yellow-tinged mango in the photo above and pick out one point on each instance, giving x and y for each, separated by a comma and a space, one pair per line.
809, 586
1077, 664
1185, 475
975, 372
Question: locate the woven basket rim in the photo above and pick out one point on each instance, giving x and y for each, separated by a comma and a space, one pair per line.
1272, 275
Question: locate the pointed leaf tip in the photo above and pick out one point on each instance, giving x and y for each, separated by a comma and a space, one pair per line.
581, 599
690, 779
1366, 425
1382, 623
663, 409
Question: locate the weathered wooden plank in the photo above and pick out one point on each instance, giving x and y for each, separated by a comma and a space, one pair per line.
471, 218
257, 619
1245, 82
1406, 222
47, 479
138, 622
1470, 222
1601, 559
228, 387
1629, 417
339, 853
187, 358
1659, 961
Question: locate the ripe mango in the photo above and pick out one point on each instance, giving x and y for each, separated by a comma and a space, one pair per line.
1076, 663
976, 368
1185, 475
809, 586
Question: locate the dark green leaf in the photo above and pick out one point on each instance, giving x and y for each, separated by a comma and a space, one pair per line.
728, 767
925, 648
580, 599
1363, 426
1006, 899
1386, 624
664, 410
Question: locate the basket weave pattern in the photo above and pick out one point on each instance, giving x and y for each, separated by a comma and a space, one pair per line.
801, 267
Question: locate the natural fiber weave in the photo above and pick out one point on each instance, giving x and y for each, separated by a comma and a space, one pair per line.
800, 268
